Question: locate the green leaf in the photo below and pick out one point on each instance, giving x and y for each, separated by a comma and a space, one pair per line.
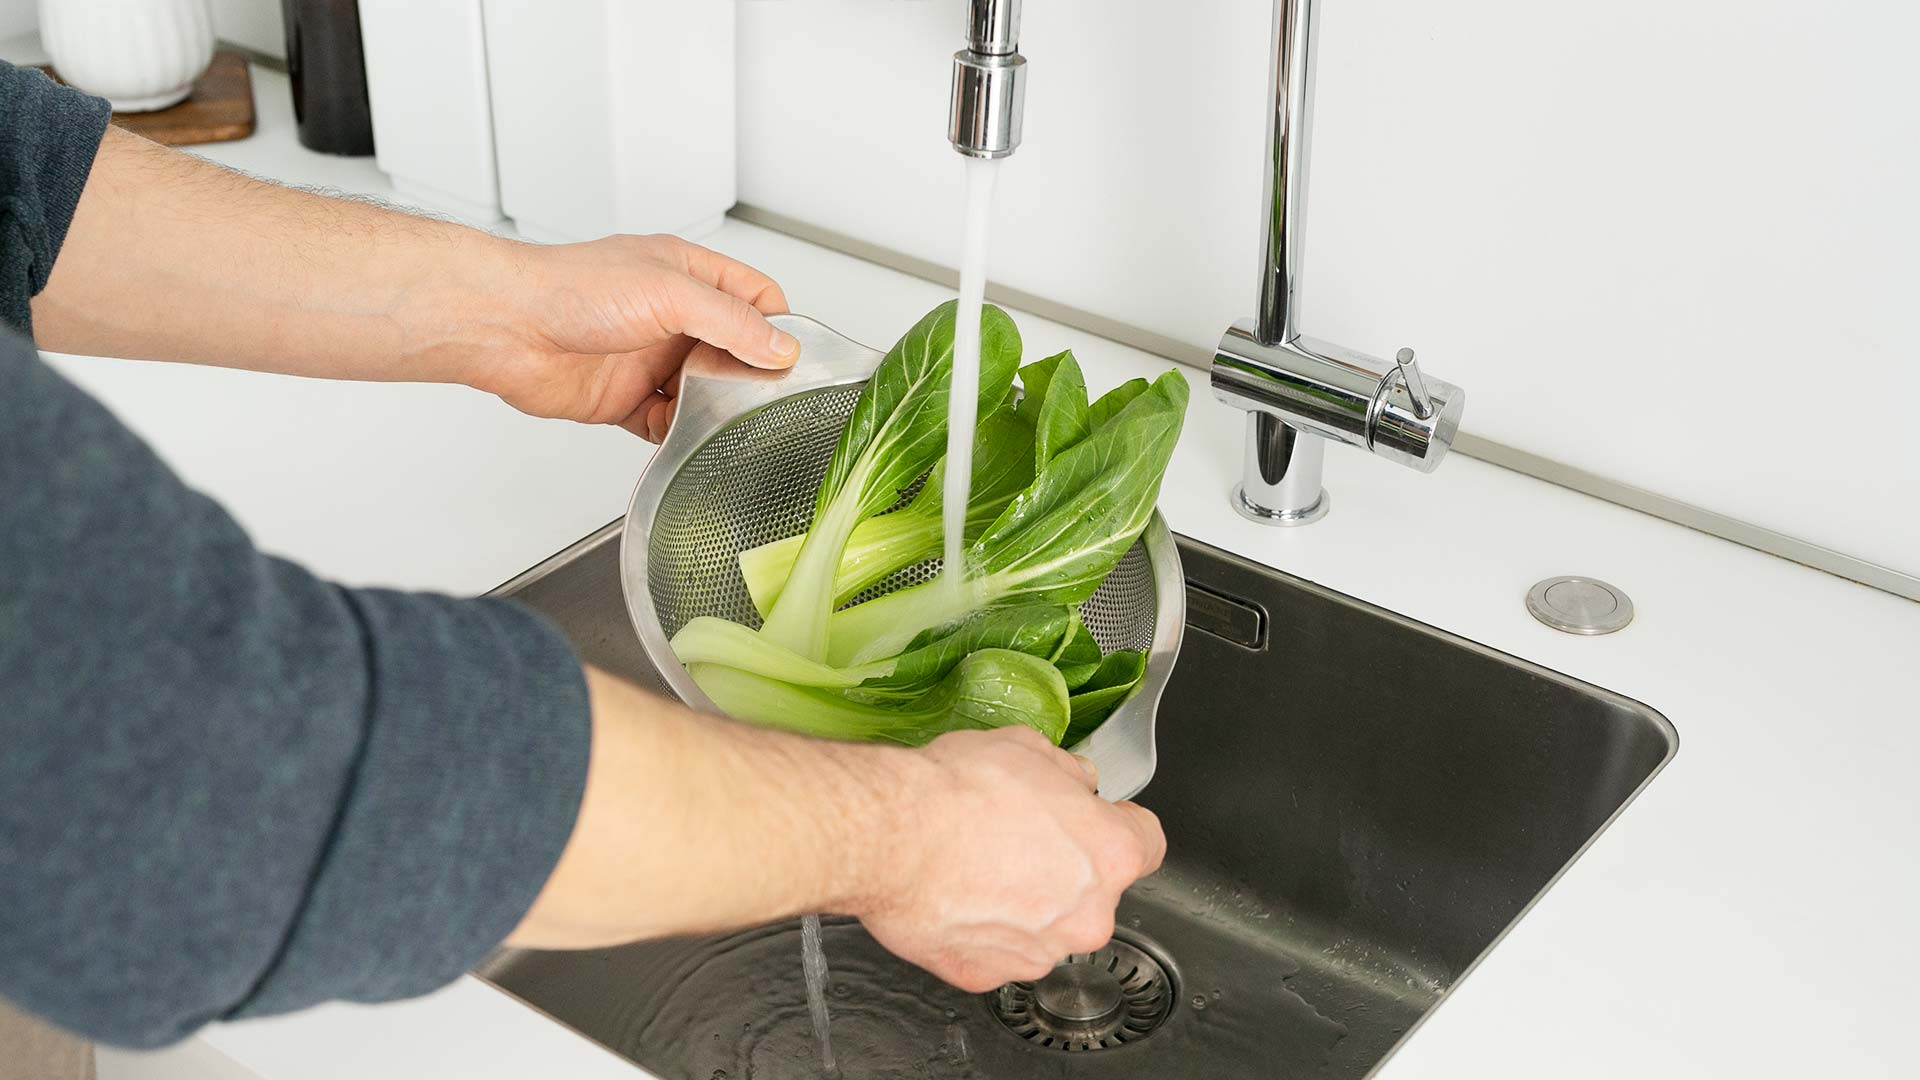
1062, 419
896, 432
995, 688
1054, 543
1034, 379
1002, 468
1060, 537
1036, 629
898, 426
989, 688
1078, 656
1120, 674
1114, 400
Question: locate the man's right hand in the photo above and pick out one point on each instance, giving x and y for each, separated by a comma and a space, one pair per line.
1005, 860
984, 857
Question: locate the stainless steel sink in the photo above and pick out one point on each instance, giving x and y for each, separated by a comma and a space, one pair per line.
1357, 807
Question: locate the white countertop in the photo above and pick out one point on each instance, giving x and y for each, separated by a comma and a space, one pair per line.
1753, 914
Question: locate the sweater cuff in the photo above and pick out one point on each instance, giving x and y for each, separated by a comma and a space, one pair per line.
463, 797
51, 134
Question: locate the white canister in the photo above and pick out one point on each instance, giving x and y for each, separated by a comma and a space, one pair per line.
612, 115
432, 117
140, 55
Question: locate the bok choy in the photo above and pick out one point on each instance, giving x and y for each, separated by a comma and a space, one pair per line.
1062, 487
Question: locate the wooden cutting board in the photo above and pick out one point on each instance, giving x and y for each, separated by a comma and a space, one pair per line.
219, 109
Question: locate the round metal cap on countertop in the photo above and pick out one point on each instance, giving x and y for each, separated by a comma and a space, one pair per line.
1580, 605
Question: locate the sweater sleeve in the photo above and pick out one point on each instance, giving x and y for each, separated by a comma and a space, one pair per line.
48, 136
227, 787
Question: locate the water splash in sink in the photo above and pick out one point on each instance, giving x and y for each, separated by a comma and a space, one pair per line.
813, 966
691, 1009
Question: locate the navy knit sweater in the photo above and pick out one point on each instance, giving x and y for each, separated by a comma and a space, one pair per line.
228, 788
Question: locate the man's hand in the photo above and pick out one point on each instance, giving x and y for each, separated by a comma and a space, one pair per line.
1008, 862
604, 327
984, 857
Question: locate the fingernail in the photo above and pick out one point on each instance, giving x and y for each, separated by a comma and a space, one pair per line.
785, 345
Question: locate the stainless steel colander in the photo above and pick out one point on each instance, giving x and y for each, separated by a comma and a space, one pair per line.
740, 468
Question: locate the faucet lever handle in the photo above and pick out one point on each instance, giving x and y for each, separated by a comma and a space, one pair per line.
1409, 369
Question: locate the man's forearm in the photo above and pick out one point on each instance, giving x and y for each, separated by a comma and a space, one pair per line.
170, 257
692, 824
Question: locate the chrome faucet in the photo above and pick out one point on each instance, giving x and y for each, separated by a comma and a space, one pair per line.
1298, 391
989, 82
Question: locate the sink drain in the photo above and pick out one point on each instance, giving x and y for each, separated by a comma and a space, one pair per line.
1091, 1001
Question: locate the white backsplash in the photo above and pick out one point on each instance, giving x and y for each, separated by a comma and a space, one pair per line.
1631, 231
1638, 234
18, 17
257, 24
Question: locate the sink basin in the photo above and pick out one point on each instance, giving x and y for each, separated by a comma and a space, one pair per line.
1357, 807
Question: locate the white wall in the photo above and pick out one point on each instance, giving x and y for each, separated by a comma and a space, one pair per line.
1674, 243
256, 24
18, 17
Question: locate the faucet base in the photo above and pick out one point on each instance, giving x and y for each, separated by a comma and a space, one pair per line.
1280, 481
1262, 515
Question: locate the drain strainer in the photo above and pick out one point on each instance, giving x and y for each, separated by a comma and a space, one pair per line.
1091, 1001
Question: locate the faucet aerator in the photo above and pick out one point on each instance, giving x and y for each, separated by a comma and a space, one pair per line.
989, 96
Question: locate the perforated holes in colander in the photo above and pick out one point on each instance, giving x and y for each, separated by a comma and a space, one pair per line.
752, 483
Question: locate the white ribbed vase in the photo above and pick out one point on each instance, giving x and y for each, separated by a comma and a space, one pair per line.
140, 55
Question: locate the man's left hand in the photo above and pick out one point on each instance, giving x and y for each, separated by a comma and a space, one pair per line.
604, 327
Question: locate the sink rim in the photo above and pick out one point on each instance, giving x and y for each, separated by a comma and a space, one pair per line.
1664, 726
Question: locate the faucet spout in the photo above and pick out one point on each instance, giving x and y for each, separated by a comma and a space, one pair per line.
1283, 203
993, 27
989, 82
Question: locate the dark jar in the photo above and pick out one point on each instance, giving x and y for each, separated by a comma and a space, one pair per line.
329, 75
